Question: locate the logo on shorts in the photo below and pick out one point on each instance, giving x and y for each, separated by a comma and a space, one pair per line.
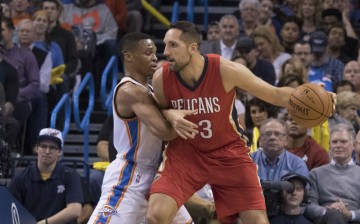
107, 211
156, 177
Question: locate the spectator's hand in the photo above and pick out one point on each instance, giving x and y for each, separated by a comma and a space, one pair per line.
184, 128
343, 208
346, 9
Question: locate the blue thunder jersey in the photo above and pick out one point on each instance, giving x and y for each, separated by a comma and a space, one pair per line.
132, 139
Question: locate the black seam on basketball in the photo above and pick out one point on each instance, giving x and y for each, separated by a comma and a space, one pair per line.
321, 101
308, 107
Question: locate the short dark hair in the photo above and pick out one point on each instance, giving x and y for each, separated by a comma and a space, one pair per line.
293, 19
8, 23
190, 33
337, 25
130, 41
332, 12
59, 6
344, 83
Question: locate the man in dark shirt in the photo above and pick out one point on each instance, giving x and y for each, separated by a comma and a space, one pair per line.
263, 69
64, 38
51, 192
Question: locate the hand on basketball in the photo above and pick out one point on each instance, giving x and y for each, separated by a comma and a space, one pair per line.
184, 128
333, 98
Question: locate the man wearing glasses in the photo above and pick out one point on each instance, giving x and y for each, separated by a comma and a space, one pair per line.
273, 160
50, 191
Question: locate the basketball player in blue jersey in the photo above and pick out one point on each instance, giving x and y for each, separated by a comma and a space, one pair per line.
139, 128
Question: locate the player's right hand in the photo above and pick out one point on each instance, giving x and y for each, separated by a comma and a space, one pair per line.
183, 127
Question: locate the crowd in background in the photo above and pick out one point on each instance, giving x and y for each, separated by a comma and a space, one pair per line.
46, 44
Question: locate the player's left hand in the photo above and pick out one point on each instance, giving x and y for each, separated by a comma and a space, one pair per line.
333, 99
184, 128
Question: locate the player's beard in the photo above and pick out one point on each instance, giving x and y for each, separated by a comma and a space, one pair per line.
178, 68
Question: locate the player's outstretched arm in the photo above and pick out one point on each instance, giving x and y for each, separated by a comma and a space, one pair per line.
237, 75
184, 128
133, 100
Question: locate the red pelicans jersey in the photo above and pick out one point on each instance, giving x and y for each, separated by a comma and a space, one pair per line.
216, 117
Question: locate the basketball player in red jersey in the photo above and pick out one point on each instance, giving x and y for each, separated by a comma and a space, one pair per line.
218, 154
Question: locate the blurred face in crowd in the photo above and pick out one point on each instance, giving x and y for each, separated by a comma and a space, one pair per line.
326, 4
293, 129
19, 6
213, 33
343, 88
273, 138
249, 12
352, 73
257, 115
292, 4
229, 30
348, 112
266, 10
26, 32
52, 10
329, 21
336, 38
294, 199
341, 146
303, 53
290, 32
308, 8
41, 24
263, 46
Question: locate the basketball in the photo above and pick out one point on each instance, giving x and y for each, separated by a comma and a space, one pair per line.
310, 105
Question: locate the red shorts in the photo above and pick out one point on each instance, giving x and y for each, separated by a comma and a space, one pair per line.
230, 171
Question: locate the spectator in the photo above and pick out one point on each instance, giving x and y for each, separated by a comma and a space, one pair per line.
261, 68
334, 188
291, 210
119, 11
302, 51
352, 74
290, 33
324, 69
50, 191
269, 48
332, 16
273, 160
256, 111
266, 16
65, 39
347, 104
249, 10
291, 79
337, 36
96, 16
310, 13
28, 71
303, 145
229, 32
39, 115
344, 85
19, 10
213, 32
295, 67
